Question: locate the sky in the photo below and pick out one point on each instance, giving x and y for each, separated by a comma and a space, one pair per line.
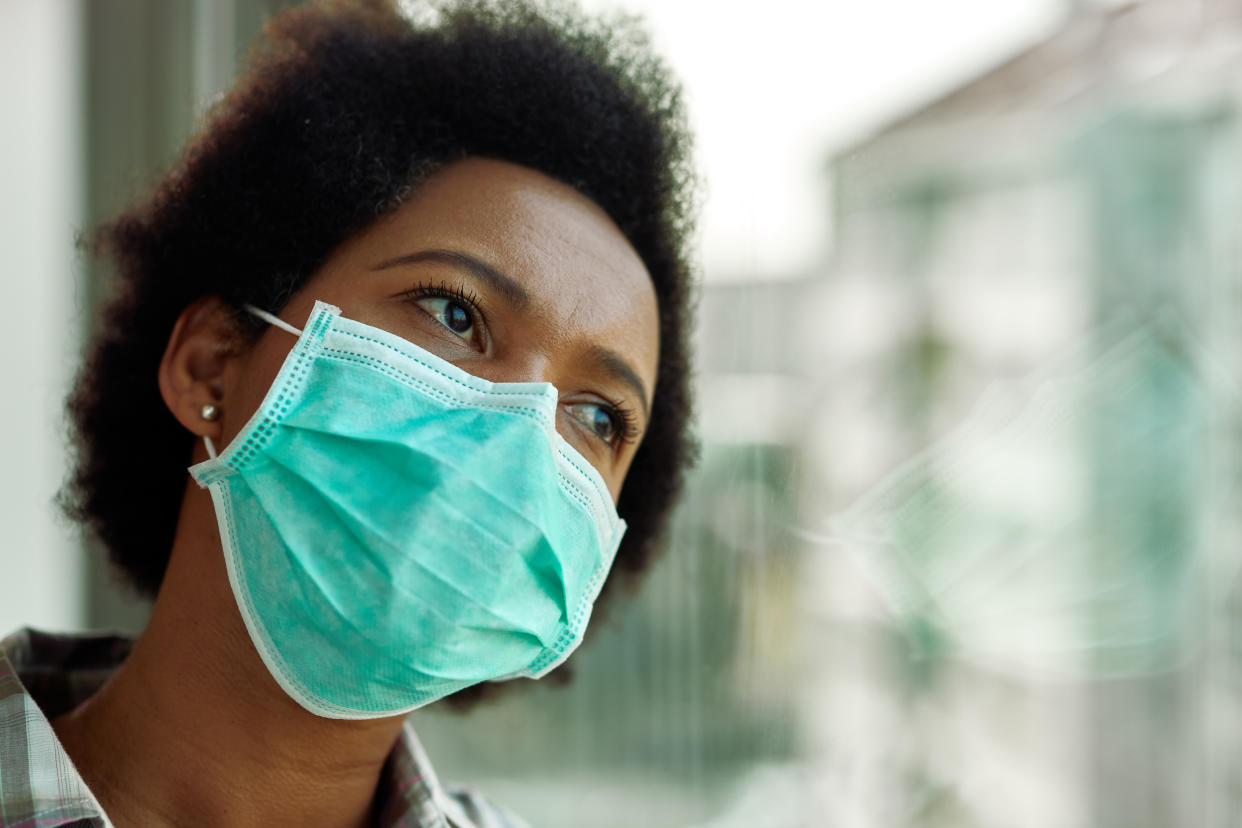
775, 87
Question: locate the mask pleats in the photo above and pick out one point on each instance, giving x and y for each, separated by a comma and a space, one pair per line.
400, 530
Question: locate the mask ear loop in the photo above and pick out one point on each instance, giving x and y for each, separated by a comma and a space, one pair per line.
271, 319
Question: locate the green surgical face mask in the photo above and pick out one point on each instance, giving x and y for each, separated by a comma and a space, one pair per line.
396, 529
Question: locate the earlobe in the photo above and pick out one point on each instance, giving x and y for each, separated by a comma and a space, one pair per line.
193, 370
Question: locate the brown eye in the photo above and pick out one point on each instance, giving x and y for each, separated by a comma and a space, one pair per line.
598, 419
449, 313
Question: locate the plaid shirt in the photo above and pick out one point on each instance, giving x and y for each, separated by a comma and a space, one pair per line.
42, 676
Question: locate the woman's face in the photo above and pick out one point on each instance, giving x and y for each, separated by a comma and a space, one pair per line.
509, 275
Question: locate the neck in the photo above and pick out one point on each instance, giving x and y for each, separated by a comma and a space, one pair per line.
192, 729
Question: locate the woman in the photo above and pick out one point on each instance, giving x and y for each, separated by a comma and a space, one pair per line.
412, 309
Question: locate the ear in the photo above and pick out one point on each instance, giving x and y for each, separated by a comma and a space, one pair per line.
194, 372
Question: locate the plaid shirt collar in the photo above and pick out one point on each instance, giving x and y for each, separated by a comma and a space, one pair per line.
43, 675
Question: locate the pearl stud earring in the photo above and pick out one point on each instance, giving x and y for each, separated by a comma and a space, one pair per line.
210, 412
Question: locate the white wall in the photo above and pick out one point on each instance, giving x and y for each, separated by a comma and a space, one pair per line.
40, 318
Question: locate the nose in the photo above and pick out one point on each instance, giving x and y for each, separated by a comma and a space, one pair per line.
527, 366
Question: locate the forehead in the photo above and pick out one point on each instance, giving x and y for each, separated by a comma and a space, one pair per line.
588, 285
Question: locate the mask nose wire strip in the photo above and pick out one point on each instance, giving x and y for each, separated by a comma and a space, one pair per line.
272, 319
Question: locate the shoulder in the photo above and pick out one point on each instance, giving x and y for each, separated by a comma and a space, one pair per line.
411, 794
59, 671
41, 674
482, 812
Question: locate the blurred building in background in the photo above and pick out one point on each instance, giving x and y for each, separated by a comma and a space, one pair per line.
959, 551
1015, 390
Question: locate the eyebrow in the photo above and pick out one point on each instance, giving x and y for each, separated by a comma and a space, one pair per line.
609, 361
616, 367
512, 292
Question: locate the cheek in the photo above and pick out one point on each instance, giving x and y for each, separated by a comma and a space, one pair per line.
619, 476
248, 383
612, 473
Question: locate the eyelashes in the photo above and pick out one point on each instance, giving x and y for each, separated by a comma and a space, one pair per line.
455, 294
627, 423
421, 290
623, 419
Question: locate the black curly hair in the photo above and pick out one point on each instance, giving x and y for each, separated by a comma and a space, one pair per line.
344, 109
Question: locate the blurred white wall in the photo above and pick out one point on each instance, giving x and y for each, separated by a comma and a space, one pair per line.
40, 167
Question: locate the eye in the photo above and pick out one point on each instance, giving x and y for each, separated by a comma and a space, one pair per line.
452, 307
609, 423
449, 313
